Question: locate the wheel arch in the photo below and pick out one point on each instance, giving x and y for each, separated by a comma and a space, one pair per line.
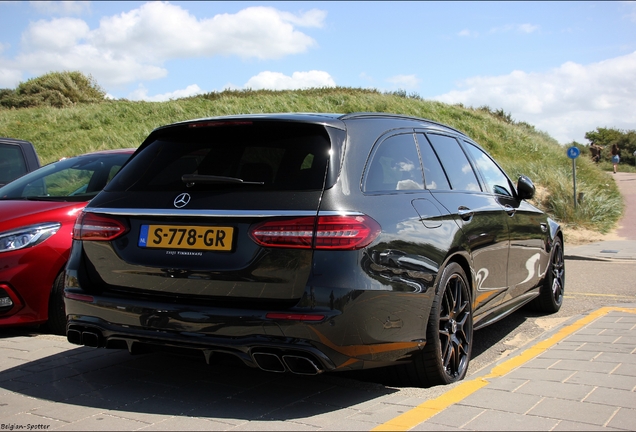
555, 231
463, 260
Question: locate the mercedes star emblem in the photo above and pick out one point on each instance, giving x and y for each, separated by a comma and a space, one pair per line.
182, 200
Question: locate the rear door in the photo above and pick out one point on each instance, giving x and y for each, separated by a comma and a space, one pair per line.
528, 228
191, 199
478, 214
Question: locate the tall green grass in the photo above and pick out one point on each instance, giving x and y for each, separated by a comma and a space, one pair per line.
520, 149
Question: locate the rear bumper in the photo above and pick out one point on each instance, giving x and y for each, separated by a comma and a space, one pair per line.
369, 329
271, 354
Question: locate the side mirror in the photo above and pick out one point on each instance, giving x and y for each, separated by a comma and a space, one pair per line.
525, 188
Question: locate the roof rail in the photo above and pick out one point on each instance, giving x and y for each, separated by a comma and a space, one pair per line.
398, 116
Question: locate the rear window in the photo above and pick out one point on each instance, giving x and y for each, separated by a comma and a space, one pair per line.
263, 155
12, 163
395, 166
459, 171
74, 179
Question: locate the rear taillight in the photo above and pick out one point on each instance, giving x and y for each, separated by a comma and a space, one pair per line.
290, 233
90, 226
327, 232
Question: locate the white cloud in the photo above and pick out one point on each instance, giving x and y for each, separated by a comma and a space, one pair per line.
159, 31
313, 18
566, 101
55, 35
61, 7
9, 78
298, 80
142, 94
404, 81
134, 45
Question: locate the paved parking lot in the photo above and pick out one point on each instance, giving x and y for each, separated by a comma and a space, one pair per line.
581, 375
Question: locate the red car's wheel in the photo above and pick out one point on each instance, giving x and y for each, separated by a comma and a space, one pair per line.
57, 312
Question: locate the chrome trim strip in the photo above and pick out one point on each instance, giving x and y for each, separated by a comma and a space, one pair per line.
218, 213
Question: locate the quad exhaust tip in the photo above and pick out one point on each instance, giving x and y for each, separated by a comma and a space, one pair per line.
86, 338
301, 365
269, 362
297, 364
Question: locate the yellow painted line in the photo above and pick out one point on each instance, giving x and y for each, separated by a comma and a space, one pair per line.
428, 409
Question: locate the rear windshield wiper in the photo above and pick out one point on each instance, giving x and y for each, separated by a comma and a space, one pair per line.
192, 179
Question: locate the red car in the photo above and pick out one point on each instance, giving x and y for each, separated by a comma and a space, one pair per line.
37, 214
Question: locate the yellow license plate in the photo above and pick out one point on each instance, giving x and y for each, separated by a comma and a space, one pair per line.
212, 238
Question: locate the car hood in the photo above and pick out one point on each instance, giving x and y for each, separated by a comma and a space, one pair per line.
14, 214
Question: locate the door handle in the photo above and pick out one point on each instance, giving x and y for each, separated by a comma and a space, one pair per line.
510, 210
465, 213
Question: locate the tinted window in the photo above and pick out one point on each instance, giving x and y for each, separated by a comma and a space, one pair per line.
459, 171
12, 164
73, 179
433, 172
271, 156
395, 166
495, 179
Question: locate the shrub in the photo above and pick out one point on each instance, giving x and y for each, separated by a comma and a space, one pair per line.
55, 89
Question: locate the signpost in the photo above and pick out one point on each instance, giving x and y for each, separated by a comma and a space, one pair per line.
573, 153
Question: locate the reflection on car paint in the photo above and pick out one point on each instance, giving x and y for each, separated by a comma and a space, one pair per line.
480, 276
531, 265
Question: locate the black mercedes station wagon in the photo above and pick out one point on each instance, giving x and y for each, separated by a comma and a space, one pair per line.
310, 243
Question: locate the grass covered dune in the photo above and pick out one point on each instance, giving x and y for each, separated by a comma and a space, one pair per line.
518, 147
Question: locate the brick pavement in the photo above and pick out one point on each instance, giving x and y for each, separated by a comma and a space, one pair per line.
581, 376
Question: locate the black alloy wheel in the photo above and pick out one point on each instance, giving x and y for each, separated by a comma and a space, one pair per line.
455, 329
550, 296
449, 334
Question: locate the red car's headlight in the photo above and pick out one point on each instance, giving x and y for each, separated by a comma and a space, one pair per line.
27, 236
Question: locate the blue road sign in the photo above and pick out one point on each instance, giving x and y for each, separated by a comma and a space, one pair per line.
573, 152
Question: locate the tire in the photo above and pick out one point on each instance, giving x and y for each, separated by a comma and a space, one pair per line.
57, 312
449, 334
550, 296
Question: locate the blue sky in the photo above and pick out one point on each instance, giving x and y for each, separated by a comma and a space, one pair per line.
565, 67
